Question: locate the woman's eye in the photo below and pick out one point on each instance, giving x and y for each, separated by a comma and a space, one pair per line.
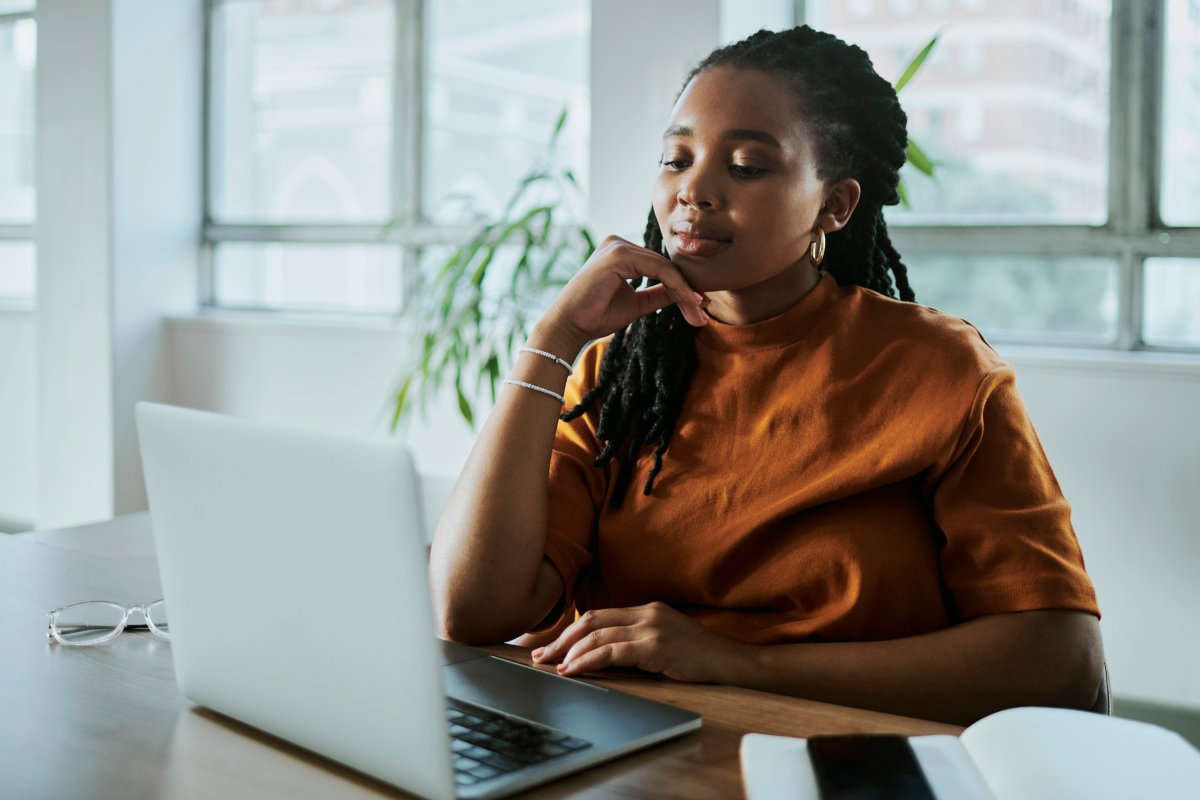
673, 163
745, 171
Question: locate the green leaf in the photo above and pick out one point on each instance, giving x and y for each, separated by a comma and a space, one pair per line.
522, 269
903, 192
916, 63
477, 323
559, 124
525, 183
427, 348
458, 261
916, 156
464, 405
523, 223
401, 402
492, 367
555, 254
547, 223
588, 242
481, 270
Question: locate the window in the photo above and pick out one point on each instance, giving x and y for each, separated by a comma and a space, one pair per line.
1170, 302
497, 77
1044, 224
1181, 115
348, 139
18, 56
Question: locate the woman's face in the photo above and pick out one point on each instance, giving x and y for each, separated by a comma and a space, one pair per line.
737, 196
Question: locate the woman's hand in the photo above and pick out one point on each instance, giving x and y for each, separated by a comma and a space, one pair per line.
599, 299
653, 637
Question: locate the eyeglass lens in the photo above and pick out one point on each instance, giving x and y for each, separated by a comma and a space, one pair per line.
88, 622
157, 613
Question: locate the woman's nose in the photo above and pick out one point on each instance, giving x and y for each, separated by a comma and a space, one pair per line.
699, 189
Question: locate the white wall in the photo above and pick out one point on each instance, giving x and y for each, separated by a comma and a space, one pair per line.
157, 87
17, 419
336, 379
118, 217
1124, 438
74, 311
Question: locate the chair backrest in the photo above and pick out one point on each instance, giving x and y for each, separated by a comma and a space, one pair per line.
1103, 704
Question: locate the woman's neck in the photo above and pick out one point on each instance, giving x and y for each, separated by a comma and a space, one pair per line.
763, 300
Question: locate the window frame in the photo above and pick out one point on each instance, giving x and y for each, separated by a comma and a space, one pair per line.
11, 231
1133, 232
408, 76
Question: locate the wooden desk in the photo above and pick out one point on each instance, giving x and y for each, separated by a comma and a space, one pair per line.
109, 722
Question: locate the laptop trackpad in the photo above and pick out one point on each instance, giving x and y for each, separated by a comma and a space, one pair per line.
517, 689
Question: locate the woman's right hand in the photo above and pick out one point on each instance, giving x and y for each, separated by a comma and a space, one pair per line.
598, 300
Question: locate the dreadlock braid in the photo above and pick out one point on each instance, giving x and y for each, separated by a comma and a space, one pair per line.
859, 131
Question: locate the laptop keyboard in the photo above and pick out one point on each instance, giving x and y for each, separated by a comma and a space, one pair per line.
487, 744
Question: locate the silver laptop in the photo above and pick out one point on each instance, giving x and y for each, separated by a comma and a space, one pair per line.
295, 576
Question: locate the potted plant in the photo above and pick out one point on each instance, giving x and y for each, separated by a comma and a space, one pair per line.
476, 306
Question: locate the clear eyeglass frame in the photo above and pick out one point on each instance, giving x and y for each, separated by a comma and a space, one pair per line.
94, 622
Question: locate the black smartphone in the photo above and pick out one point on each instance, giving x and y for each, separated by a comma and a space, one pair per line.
866, 767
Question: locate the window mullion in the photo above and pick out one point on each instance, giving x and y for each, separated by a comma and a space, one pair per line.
1124, 93
1134, 121
800, 12
206, 287
1152, 43
407, 89
205, 278
408, 106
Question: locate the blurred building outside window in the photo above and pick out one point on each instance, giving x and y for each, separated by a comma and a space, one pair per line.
334, 126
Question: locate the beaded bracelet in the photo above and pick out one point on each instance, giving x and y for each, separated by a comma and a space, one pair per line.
560, 361
537, 388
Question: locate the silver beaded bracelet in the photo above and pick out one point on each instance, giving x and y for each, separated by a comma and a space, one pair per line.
537, 388
561, 361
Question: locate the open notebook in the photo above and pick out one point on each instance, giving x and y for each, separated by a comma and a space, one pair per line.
1018, 754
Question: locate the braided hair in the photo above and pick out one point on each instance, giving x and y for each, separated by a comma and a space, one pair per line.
859, 131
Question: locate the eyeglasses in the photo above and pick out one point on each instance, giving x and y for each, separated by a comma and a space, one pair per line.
99, 621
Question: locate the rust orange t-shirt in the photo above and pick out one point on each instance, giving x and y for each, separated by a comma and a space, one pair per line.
856, 468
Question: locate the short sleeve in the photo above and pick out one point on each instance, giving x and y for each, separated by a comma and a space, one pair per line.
1009, 542
577, 488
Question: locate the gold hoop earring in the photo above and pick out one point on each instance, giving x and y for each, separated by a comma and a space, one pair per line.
816, 250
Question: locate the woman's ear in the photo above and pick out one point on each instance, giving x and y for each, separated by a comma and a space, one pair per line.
841, 199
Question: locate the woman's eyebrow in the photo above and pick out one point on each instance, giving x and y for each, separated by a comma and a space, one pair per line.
731, 135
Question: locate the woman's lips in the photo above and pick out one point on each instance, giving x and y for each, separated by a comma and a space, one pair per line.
697, 245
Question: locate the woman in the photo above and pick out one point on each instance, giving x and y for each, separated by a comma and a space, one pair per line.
773, 474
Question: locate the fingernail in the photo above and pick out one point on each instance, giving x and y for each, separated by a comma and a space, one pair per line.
538, 653
698, 297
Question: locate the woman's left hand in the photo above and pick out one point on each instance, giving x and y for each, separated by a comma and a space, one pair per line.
653, 637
